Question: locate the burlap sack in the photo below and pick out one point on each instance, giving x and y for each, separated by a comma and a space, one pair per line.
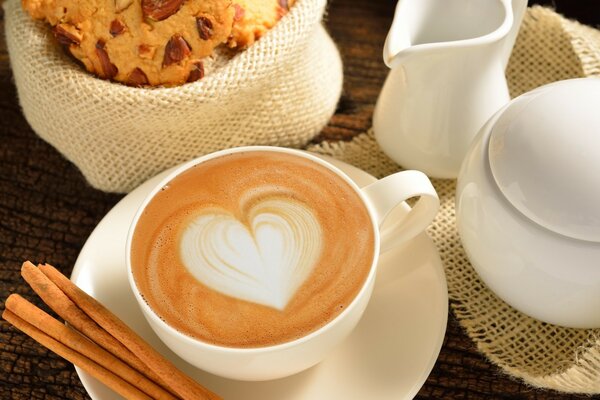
549, 48
282, 90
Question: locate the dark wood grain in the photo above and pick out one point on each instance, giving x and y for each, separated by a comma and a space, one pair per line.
47, 211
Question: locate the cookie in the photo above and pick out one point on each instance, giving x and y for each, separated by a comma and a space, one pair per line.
139, 42
255, 17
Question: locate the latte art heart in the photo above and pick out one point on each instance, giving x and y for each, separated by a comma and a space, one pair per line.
252, 249
264, 262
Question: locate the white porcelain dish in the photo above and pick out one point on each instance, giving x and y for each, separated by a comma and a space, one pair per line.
528, 203
447, 77
388, 356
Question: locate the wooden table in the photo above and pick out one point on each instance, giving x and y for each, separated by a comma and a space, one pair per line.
47, 211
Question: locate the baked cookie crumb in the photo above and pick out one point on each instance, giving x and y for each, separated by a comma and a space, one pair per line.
253, 18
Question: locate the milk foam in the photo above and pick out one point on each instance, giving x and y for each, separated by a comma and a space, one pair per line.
288, 233
264, 261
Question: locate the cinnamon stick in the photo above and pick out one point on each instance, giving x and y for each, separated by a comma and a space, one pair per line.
97, 371
81, 344
183, 385
62, 305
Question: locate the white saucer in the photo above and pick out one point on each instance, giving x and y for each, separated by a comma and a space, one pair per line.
388, 356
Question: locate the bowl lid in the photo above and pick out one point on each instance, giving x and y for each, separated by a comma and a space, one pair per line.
544, 154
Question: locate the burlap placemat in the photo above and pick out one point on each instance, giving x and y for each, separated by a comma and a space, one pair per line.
549, 48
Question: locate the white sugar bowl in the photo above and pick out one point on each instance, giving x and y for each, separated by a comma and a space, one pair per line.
528, 203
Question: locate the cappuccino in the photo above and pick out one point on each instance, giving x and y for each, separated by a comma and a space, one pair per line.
252, 249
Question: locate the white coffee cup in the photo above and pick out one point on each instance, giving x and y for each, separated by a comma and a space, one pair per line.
277, 361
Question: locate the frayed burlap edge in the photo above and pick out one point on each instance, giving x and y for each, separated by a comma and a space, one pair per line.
549, 48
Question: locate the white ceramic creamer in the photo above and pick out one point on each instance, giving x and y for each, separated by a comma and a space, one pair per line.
447, 60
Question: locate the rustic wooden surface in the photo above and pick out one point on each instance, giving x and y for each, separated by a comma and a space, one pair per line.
47, 211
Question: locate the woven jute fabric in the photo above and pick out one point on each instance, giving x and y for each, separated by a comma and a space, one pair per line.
120, 136
549, 48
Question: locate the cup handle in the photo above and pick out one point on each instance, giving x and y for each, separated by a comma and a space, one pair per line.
387, 193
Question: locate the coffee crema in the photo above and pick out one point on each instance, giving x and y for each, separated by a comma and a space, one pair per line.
252, 249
